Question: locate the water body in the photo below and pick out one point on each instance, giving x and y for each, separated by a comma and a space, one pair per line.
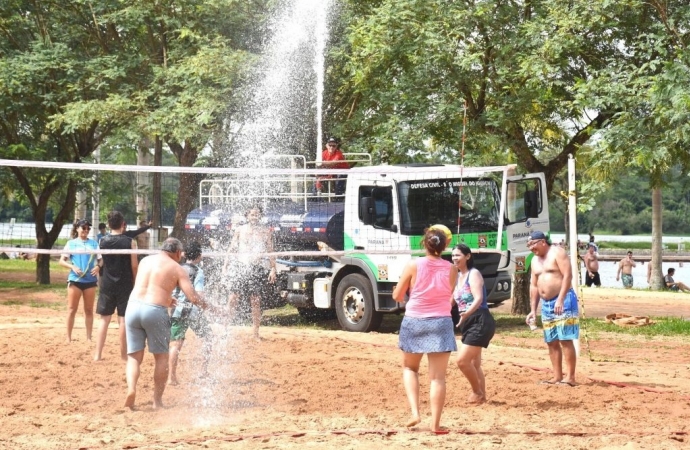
608, 269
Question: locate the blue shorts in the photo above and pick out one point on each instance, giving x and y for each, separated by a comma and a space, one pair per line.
564, 327
147, 322
427, 335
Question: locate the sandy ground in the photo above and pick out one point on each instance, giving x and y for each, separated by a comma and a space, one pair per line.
303, 388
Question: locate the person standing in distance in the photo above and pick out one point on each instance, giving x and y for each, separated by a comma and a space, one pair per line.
147, 319
591, 266
551, 282
117, 281
626, 266
101, 232
476, 322
83, 276
427, 327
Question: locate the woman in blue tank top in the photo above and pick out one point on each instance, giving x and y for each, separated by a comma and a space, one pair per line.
476, 322
83, 276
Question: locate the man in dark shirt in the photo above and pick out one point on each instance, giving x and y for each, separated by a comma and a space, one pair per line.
116, 282
673, 284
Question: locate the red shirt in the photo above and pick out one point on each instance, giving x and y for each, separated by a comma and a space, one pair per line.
336, 155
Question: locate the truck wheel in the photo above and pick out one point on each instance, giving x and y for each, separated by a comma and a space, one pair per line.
354, 304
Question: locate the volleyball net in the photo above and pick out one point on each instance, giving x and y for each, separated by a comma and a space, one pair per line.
303, 203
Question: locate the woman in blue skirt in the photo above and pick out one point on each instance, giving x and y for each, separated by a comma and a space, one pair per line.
427, 326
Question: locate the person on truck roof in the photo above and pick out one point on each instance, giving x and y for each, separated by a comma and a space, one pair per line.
332, 157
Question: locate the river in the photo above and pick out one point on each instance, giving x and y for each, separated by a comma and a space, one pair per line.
608, 269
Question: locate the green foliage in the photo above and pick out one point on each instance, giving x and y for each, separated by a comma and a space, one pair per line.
662, 326
624, 206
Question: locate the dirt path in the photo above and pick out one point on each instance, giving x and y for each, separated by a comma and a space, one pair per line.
304, 388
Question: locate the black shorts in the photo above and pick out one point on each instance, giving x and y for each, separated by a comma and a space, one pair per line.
248, 281
592, 279
82, 286
478, 329
112, 298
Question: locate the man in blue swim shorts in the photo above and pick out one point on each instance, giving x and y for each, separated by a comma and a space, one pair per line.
552, 284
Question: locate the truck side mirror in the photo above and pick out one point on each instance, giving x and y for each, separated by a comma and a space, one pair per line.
367, 210
531, 204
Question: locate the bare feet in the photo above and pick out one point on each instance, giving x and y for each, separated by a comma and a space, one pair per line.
413, 421
97, 358
129, 401
173, 382
158, 404
476, 399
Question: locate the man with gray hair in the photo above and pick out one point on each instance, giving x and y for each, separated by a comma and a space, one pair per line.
147, 316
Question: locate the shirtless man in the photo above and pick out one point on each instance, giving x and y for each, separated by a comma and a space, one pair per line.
146, 318
626, 266
551, 283
252, 269
592, 266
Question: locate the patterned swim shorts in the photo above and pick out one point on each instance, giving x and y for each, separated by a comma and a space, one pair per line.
563, 327
627, 280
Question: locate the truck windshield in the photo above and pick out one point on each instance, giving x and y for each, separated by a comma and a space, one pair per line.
428, 202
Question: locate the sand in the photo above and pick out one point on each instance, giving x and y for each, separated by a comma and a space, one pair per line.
302, 387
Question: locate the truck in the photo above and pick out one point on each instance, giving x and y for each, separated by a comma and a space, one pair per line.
341, 255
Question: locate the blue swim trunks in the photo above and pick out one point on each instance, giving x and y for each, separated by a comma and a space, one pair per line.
564, 327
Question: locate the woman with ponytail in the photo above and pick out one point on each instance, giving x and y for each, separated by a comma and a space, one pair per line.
427, 327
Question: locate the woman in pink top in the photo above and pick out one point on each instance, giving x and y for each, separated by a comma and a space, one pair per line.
427, 326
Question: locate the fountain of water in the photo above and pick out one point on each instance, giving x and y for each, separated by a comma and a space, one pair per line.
283, 109
282, 115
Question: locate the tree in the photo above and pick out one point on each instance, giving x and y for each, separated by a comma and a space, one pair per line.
47, 63
196, 56
413, 65
651, 132
73, 72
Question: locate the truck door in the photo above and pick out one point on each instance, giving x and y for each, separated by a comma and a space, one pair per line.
378, 231
526, 210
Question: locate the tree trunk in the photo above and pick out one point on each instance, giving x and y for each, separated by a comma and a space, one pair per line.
521, 297
157, 177
188, 189
143, 184
657, 281
43, 269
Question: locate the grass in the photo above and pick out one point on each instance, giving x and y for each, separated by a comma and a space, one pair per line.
662, 326
35, 304
506, 325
